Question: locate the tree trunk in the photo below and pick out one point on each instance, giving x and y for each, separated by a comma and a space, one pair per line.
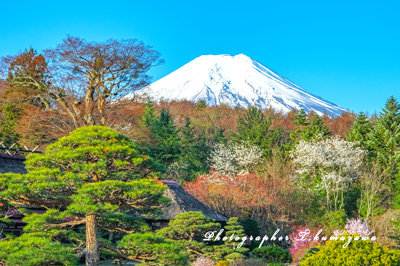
92, 246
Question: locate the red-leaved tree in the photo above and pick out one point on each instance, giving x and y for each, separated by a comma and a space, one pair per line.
242, 196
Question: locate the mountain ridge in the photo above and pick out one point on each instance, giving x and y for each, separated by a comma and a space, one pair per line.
236, 81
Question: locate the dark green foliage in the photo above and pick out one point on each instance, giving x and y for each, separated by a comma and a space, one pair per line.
93, 171
308, 130
351, 200
315, 128
188, 231
194, 150
9, 115
180, 150
190, 226
254, 128
250, 227
234, 233
234, 256
301, 119
360, 130
235, 229
166, 150
149, 116
273, 253
384, 143
36, 249
153, 250
385, 137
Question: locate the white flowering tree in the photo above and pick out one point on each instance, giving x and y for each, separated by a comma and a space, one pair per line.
327, 166
235, 158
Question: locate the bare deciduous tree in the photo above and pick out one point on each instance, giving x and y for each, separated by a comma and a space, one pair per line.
373, 189
81, 79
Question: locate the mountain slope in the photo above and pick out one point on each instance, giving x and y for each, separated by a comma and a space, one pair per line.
235, 81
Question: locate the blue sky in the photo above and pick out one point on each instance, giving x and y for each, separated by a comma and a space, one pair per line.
344, 51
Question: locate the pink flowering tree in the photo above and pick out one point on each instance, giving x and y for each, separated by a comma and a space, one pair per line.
203, 261
302, 240
355, 227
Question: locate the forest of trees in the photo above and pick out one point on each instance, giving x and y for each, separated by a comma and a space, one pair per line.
263, 170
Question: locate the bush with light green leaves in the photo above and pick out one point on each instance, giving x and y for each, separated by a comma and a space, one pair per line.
358, 252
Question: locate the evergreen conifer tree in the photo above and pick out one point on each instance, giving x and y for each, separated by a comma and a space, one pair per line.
254, 128
384, 142
308, 130
194, 150
301, 121
360, 130
149, 116
189, 229
167, 148
94, 177
234, 233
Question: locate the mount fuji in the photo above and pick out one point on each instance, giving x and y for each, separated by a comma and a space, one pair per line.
235, 81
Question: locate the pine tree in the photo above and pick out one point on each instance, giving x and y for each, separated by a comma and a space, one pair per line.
194, 150
149, 116
234, 232
315, 128
254, 128
384, 142
164, 131
385, 137
301, 121
306, 130
360, 130
95, 176
189, 230
9, 115
155, 250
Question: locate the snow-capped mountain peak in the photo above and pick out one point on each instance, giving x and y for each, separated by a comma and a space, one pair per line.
236, 81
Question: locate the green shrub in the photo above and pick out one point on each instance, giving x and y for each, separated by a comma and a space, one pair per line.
235, 256
276, 264
360, 252
310, 252
334, 219
273, 253
222, 263
248, 262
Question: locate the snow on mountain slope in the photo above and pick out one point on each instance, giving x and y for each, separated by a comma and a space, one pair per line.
235, 81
